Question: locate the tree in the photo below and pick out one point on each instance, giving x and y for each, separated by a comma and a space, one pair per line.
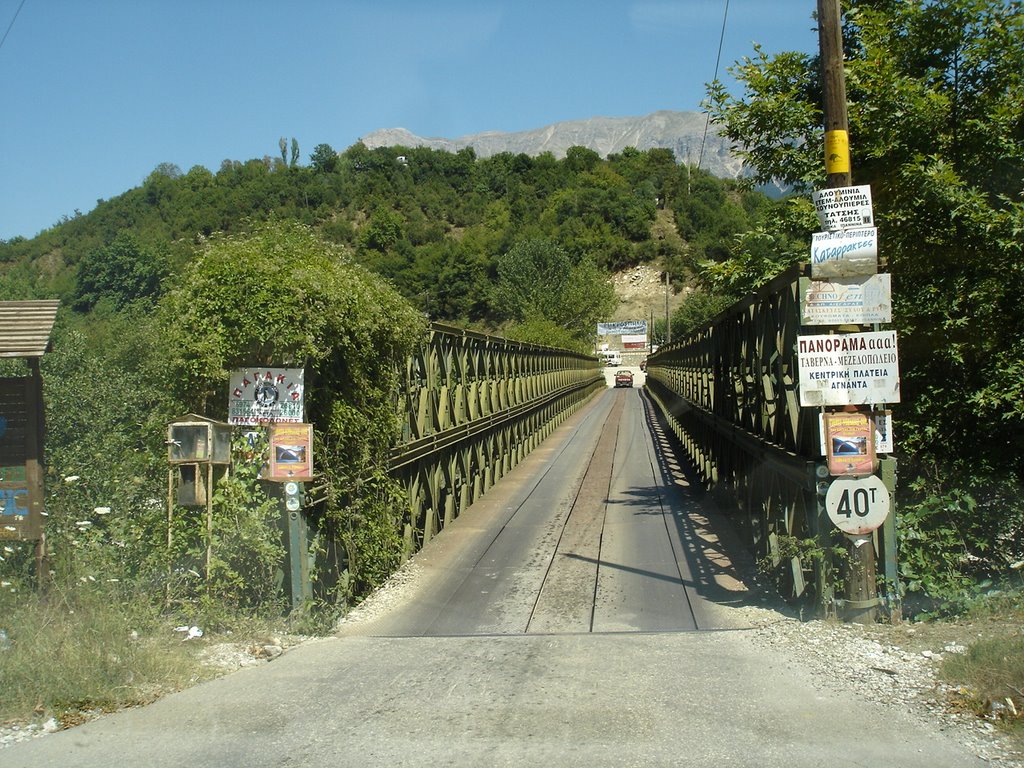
281, 296
123, 272
324, 159
935, 90
537, 280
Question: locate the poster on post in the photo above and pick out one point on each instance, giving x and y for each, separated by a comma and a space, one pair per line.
850, 443
291, 452
258, 396
844, 254
844, 207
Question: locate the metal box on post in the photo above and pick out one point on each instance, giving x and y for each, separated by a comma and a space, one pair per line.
195, 442
198, 440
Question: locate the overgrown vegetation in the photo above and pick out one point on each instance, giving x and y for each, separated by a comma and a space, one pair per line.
935, 92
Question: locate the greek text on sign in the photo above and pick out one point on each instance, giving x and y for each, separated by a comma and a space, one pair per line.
622, 327
844, 207
849, 369
857, 505
846, 300
844, 254
265, 396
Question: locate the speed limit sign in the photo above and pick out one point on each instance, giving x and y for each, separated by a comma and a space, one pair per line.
857, 505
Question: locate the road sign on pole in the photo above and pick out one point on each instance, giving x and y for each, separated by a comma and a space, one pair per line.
857, 505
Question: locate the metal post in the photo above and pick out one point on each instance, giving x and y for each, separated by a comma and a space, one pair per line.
298, 544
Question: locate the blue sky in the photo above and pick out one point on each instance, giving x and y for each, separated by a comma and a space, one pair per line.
97, 93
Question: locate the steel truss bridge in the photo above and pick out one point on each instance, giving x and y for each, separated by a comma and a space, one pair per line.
475, 405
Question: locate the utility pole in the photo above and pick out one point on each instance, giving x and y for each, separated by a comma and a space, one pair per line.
861, 587
668, 318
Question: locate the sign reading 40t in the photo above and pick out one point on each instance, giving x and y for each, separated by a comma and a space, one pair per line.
857, 505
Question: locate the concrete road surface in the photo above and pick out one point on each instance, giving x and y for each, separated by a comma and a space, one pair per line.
587, 612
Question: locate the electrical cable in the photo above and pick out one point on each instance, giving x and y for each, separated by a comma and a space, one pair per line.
11, 25
718, 60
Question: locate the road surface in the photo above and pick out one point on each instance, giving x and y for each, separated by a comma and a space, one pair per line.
587, 612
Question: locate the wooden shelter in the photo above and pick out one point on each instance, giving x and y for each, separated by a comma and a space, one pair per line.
25, 328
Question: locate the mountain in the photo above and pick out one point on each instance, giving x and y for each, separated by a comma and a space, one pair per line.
682, 132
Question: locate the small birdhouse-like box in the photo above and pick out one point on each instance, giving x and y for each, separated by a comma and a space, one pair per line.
198, 440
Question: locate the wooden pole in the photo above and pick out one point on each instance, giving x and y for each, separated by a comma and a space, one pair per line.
861, 588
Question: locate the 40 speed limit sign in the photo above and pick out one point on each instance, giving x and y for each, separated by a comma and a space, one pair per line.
857, 505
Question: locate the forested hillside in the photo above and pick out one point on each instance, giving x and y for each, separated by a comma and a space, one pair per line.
435, 224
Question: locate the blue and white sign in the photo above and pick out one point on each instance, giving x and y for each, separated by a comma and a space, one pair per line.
848, 253
623, 327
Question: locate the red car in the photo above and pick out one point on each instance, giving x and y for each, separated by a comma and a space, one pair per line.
624, 378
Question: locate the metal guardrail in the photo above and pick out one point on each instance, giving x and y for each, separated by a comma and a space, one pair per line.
730, 394
474, 406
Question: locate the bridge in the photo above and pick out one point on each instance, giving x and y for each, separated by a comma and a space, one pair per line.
475, 406
590, 606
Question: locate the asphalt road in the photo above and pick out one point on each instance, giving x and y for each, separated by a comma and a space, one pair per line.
587, 611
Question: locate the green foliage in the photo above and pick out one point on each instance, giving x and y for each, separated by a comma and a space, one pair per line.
123, 273
537, 280
698, 309
991, 674
934, 90
283, 297
247, 562
85, 646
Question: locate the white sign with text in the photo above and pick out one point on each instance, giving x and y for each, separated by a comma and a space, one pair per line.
849, 369
844, 207
846, 300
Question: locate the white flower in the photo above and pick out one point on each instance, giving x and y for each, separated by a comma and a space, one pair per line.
102, 510
71, 478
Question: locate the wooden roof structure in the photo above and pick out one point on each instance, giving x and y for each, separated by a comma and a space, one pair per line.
25, 327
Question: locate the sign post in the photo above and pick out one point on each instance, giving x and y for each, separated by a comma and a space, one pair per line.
273, 398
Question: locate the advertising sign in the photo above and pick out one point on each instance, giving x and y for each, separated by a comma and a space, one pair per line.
847, 300
850, 443
265, 396
291, 452
634, 341
844, 207
622, 327
844, 254
848, 369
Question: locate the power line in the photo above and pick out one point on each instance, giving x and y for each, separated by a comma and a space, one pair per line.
9, 26
718, 60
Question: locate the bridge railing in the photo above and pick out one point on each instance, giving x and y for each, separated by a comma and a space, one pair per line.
730, 393
473, 407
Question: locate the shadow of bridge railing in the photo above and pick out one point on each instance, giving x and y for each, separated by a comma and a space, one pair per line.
729, 392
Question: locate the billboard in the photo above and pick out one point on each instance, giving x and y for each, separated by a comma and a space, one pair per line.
622, 327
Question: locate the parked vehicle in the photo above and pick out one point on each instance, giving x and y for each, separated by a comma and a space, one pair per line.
643, 365
610, 357
624, 378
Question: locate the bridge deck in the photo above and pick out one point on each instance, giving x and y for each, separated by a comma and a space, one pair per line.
597, 531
